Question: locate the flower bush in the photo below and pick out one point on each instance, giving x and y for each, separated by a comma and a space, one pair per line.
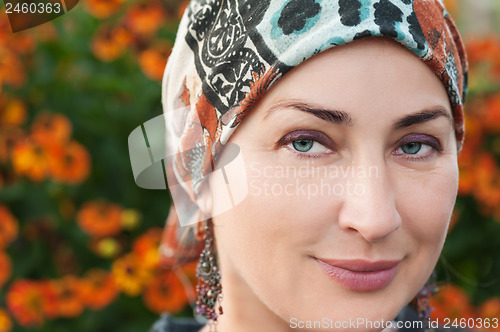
79, 240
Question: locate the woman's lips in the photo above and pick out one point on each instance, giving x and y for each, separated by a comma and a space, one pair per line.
360, 275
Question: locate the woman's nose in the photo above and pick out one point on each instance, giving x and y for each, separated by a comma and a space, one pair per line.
369, 208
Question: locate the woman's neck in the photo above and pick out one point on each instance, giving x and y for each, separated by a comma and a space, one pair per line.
243, 310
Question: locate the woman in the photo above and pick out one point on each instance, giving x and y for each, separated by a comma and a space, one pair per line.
349, 117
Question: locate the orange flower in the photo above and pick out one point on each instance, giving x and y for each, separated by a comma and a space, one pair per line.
475, 133
50, 128
100, 218
19, 43
12, 71
5, 268
146, 17
103, 8
109, 44
491, 310
467, 180
13, 113
491, 119
8, 138
98, 289
50, 304
5, 321
23, 43
450, 302
30, 159
153, 61
130, 275
165, 294
479, 50
67, 296
70, 163
5, 30
146, 247
25, 301
8, 227
487, 186
484, 53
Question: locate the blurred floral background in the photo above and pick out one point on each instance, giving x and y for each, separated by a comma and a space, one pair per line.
78, 238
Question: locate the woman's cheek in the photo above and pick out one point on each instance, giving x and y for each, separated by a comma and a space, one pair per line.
428, 214
273, 223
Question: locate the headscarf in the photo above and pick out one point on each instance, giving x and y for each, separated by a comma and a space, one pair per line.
228, 53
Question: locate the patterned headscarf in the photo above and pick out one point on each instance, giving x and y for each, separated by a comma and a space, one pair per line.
228, 53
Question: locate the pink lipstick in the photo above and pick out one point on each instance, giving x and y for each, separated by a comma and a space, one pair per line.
360, 275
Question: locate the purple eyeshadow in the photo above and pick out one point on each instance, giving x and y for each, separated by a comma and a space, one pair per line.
419, 138
306, 135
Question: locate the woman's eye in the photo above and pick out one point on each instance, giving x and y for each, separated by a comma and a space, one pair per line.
308, 146
417, 147
415, 150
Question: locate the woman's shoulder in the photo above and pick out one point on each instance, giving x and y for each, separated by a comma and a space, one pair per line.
169, 323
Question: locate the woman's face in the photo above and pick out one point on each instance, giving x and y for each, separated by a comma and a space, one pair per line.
351, 166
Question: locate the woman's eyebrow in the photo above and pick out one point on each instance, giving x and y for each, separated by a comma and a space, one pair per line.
422, 116
341, 117
330, 115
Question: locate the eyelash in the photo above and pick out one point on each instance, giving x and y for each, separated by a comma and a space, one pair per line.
427, 140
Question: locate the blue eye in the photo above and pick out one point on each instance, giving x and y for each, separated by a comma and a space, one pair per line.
411, 148
307, 144
303, 145
415, 151
417, 147
308, 147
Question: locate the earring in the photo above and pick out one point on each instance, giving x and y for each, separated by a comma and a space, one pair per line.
422, 300
209, 287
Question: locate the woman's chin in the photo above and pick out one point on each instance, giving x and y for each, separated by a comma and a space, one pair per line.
333, 305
